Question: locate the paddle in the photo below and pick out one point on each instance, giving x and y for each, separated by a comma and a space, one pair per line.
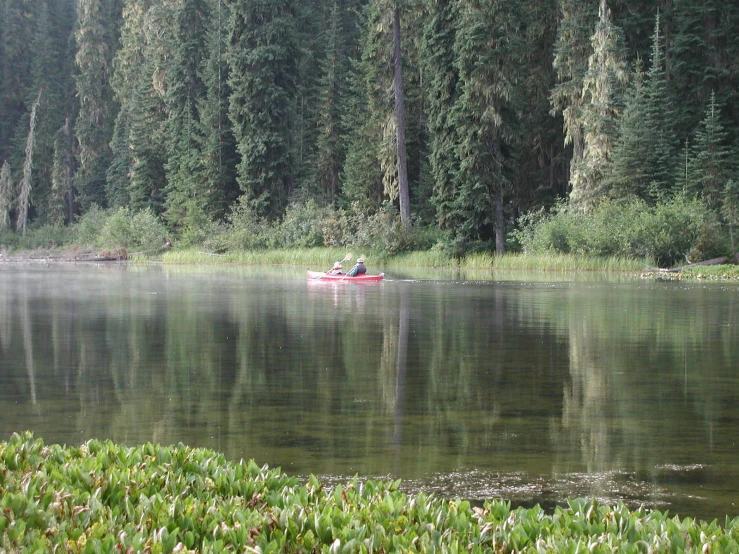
347, 258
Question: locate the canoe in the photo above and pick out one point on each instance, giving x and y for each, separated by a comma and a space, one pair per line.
321, 276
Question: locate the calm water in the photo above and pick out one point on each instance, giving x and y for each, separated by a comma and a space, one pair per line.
532, 391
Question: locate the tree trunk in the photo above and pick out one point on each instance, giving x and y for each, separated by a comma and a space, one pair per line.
405, 209
499, 219
69, 193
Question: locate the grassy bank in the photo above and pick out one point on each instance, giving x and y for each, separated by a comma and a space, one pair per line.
103, 497
324, 257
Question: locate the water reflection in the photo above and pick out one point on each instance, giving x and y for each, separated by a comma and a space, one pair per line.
529, 391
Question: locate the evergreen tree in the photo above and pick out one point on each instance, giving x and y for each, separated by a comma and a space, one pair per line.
539, 161
713, 160
97, 109
126, 80
628, 174
15, 79
185, 90
62, 183
643, 155
658, 158
24, 194
262, 58
601, 95
571, 53
702, 56
442, 93
148, 140
485, 52
218, 148
331, 103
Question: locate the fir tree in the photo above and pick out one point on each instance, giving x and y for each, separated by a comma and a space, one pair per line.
331, 95
15, 79
712, 161
218, 147
262, 58
601, 94
485, 50
185, 90
97, 110
658, 157
571, 52
442, 93
628, 174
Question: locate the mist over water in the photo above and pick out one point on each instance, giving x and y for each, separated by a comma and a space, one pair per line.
527, 390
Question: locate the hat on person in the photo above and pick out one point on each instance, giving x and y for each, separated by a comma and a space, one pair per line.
360, 260
337, 265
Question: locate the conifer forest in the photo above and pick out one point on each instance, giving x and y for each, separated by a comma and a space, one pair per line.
456, 116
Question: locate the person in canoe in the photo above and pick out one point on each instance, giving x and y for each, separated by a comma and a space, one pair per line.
358, 269
336, 270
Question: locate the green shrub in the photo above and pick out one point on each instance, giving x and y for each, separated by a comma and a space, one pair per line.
246, 230
89, 226
666, 233
303, 225
133, 231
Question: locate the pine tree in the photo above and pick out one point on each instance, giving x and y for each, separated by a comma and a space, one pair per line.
601, 93
262, 58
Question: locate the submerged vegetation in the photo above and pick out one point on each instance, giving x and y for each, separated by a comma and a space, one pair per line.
102, 497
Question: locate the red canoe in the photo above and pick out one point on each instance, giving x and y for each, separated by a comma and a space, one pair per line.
319, 275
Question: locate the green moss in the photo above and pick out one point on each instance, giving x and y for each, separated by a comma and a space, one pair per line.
102, 497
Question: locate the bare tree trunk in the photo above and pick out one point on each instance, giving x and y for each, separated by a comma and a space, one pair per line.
24, 198
405, 209
499, 219
69, 193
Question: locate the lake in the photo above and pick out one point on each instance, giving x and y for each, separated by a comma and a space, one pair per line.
530, 388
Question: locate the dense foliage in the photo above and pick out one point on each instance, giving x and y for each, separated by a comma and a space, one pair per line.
477, 112
102, 497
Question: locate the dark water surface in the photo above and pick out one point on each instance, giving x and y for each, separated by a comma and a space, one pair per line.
531, 391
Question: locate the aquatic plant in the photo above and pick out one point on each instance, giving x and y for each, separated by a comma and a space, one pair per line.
104, 497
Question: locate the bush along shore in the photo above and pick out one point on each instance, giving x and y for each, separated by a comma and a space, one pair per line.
103, 497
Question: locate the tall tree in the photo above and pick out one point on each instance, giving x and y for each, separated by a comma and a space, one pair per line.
331, 102
572, 50
712, 162
218, 148
262, 58
442, 93
24, 194
97, 108
15, 64
185, 90
486, 47
602, 96
403, 186
643, 161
